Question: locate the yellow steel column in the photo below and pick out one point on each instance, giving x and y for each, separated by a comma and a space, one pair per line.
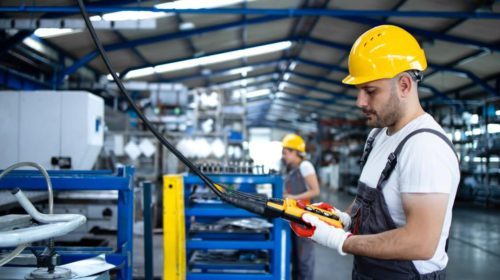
174, 236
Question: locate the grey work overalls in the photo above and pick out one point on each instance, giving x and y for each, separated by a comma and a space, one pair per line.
370, 215
302, 247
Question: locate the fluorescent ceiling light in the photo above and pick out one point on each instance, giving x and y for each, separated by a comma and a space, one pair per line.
240, 70
53, 32
180, 4
139, 15
257, 93
28, 41
140, 72
211, 59
281, 86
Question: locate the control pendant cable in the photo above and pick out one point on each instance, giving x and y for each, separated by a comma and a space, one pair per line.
271, 208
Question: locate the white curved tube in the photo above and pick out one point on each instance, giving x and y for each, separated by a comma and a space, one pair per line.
44, 173
54, 225
40, 217
42, 170
40, 232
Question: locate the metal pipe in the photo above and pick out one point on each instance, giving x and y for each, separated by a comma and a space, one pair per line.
148, 229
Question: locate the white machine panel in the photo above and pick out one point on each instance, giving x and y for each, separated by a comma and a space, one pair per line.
39, 125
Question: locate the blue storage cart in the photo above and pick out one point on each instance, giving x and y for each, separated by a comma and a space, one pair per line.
122, 181
276, 243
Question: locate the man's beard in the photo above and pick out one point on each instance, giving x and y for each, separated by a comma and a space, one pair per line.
391, 112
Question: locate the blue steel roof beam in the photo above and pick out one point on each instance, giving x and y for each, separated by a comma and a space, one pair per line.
446, 30
297, 100
308, 109
14, 40
344, 47
455, 63
322, 65
166, 37
317, 78
266, 123
65, 54
266, 112
189, 43
255, 80
134, 50
475, 79
243, 34
346, 54
299, 46
468, 86
293, 31
19, 78
257, 84
437, 93
292, 104
470, 75
430, 34
304, 97
200, 56
333, 94
334, 82
257, 11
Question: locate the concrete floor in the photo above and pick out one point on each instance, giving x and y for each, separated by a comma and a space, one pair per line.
474, 248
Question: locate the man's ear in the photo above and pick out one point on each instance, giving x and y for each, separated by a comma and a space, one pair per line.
405, 85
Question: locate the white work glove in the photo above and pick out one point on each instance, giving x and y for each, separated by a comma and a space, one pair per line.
327, 235
344, 217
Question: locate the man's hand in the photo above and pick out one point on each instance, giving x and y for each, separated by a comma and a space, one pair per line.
344, 217
325, 234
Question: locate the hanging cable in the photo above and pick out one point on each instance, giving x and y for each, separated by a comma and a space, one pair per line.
250, 202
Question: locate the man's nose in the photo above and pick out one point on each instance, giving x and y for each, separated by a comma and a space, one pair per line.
361, 100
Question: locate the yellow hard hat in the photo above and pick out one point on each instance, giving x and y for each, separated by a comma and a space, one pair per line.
295, 142
383, 52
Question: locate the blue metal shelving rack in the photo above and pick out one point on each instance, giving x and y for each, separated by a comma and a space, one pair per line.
278, 244
122, 181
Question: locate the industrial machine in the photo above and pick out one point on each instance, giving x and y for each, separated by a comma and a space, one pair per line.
57, 129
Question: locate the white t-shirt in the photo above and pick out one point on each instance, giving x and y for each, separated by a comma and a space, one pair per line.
426, 164
306, 168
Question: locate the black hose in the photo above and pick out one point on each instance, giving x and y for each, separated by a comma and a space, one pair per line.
123, 91
252, 203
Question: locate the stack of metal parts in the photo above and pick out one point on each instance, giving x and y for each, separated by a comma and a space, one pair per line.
234, 167
231, 229
234, 261
206, 196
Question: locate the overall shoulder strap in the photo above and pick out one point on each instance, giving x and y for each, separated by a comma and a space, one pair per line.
393, 157
368, 148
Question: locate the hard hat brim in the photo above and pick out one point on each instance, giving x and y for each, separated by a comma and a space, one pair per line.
350, 80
